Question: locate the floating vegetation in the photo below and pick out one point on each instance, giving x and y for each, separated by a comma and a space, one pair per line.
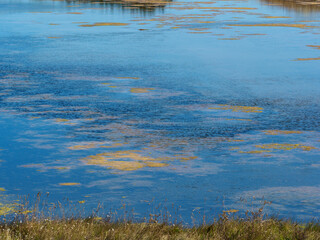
238, 119
314, 46
119, 165
130, 160
279, 132
61, 120
285, 146
255, 151
100, 24
69, 184
141, 90
234, 38
307, 59
231, 211
74, 13
245, 109
235, 140
6, 209
2, 189
134, 78
275, 17
272, 25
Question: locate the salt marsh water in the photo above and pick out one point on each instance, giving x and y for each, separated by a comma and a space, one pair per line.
196, 104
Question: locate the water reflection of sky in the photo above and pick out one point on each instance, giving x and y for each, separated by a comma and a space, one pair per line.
194, 104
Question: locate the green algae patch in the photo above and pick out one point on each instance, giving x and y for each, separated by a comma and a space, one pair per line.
101, 24
245, 109
285, 146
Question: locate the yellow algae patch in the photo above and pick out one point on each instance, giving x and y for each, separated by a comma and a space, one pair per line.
235, 140
278, 132
237, 119
231, 211
99, 24
113, 145
272, 25
205, 21
54, 24
81, 202
135, 78
314, 46
61, 168
255, 151
186, 158
61, 120
254, 34
234, 148
275, 17
69, 184
74, 13
235, 38
2, 189
120, 165
128, 160
307, 59
141, 90
199, 32
156, 164
40, 12
245, 109
285, 146
199, 29
6, 209
128, 154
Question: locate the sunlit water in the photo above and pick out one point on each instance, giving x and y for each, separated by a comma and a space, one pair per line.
196, 104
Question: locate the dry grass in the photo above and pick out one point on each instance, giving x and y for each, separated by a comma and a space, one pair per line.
91, 228
59, 221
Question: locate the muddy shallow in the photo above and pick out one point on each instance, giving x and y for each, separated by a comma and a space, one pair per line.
199, 104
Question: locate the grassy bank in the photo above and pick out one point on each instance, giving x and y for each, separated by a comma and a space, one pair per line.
97, 229
42, 220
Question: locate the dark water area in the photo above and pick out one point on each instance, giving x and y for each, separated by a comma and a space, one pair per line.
196, 104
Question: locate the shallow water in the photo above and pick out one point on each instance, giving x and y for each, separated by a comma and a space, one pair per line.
196, 104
